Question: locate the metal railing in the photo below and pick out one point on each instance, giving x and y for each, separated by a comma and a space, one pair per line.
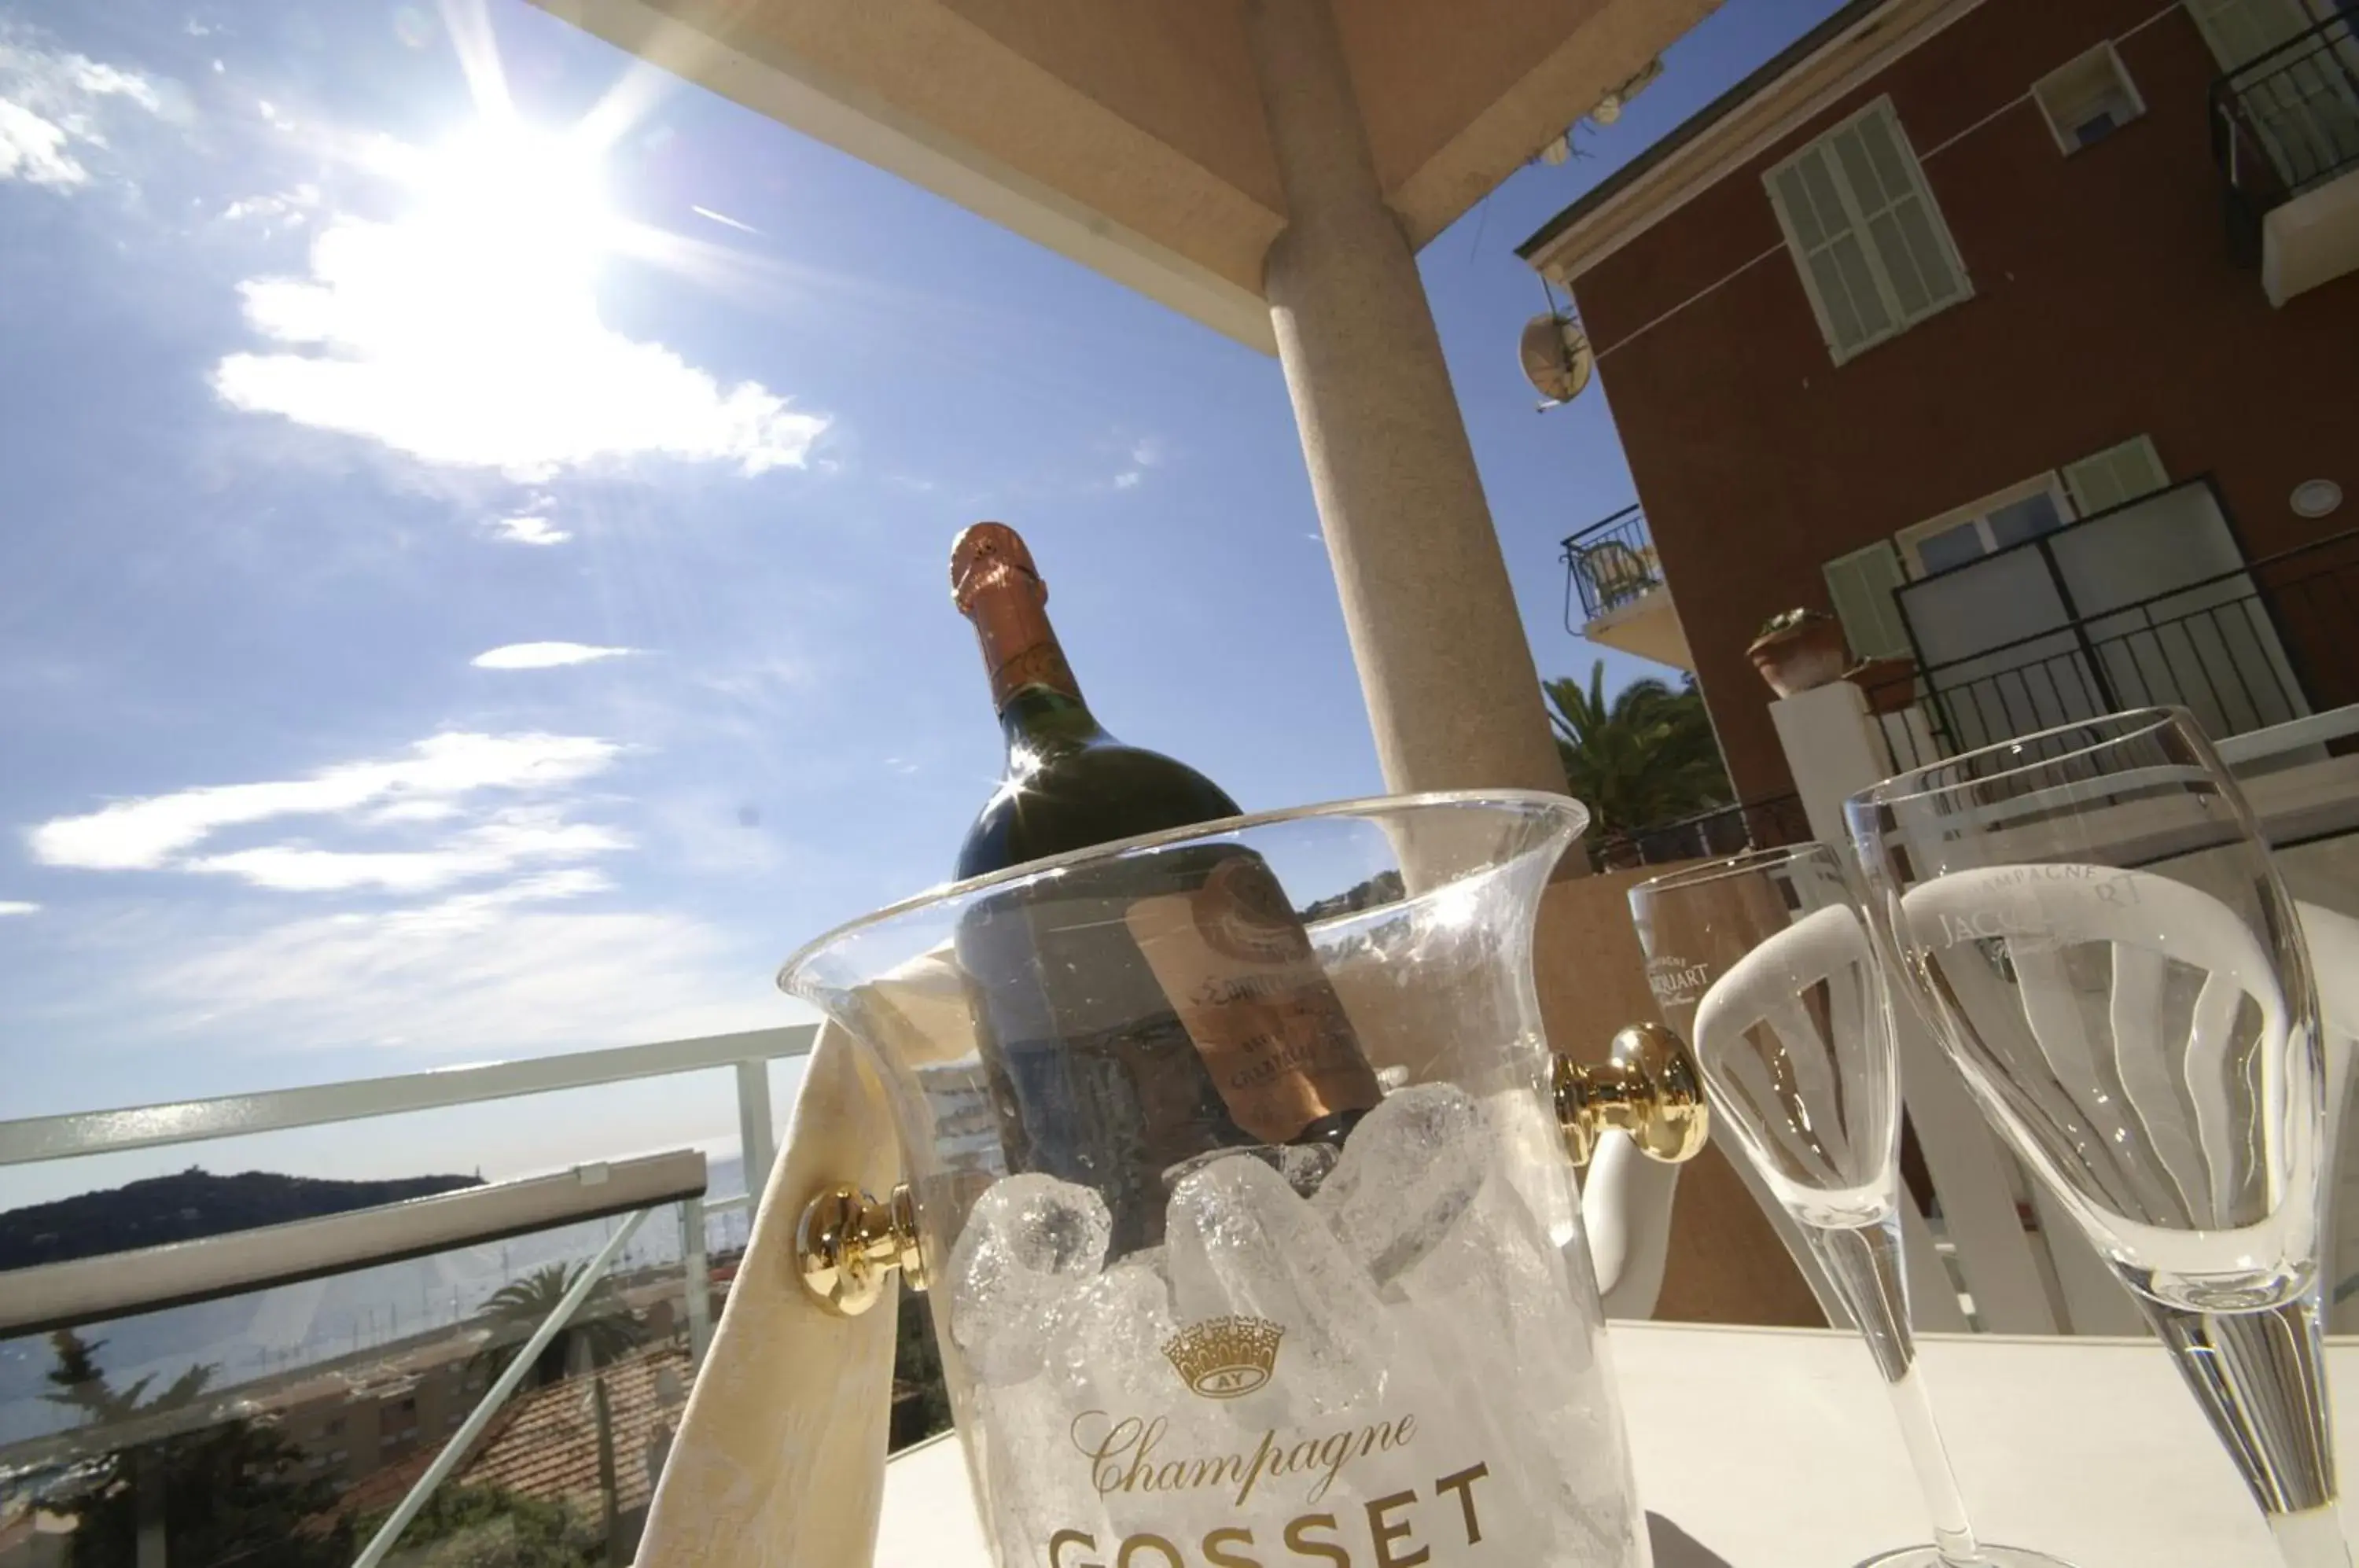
1730, 830
1609, 564
2272, 644
748, 1054
2285, 123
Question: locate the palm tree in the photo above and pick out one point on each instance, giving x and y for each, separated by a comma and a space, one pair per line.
80, 1386
231, 1489
602, 1331
1645, 758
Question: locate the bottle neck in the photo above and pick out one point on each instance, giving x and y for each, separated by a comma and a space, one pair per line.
1033, 688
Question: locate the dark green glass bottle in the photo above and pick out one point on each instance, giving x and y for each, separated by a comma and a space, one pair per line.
1096, 1075
1067, 785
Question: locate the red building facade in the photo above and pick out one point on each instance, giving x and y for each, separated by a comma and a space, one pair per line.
2100, 297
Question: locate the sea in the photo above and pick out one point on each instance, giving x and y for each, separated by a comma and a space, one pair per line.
270, 1333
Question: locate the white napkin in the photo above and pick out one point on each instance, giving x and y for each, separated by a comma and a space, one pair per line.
780, 1462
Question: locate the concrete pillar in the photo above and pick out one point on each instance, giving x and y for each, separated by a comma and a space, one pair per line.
1451, 691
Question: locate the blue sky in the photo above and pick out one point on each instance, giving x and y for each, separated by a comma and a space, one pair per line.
438, 623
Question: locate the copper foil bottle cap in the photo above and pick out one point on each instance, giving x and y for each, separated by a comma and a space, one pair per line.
991, 555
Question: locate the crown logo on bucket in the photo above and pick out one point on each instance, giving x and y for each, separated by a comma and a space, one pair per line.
1223, 1357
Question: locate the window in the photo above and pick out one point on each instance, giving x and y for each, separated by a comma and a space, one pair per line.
1861, 585
2241, 31
2009, 517
2088, 98
2115, 475
1875, 255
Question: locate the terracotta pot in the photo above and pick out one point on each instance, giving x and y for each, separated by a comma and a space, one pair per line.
1886, 681
1801, 658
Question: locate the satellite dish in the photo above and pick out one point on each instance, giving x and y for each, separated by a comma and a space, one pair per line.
1608, 109
1558, 151
1557, 357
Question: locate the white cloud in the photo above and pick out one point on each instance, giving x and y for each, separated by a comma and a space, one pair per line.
526, 528
289, 208
468, 334
500, 973
545, 655
151, 833
418, 812
50, 107
18, 906
33, 149
501, 846
1145, 453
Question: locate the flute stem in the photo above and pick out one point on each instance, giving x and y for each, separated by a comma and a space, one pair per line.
2260, 1379
1864, 1266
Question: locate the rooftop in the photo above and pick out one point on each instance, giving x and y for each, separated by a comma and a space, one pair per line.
1849, 47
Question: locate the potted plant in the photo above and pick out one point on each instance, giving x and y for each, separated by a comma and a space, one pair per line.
1799, 650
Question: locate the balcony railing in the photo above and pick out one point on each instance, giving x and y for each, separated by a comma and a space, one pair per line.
1609, 564
2272, 645
344, 1448
2286, 123
1731, 829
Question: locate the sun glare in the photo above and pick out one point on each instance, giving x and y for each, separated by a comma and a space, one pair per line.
509, 196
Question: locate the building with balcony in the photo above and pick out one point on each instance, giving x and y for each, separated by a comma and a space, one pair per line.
2018, 336
1614, 591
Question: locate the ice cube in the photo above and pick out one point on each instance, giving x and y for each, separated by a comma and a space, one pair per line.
1034, 1484
1304, 1165
1029, 1241
1408, 1173
1307, 1166
1105, 1339
1242, 1245
1494, 1306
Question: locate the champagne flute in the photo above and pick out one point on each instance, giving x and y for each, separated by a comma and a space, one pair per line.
2091, 921
1765, 963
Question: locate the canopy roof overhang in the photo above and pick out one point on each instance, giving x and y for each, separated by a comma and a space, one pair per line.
1129, 135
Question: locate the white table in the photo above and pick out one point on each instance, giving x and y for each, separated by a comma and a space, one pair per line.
1774, 1448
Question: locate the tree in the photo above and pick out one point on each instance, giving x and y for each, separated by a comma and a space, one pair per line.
602, 1332
1644, 759
922, 1403
490, 1527
231, 1490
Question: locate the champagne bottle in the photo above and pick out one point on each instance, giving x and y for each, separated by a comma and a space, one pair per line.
1137, 1013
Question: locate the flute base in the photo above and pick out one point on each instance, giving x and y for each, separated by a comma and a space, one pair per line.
1983, 1557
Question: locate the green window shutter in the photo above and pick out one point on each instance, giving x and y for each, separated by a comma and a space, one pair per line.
1827, 250
1905, 228
1873, 252
1861, 585
2119, 473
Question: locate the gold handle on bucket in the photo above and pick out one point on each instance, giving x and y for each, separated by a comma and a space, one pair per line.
1648, 1088
847, 1243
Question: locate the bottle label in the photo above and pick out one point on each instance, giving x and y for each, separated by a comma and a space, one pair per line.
1239, 970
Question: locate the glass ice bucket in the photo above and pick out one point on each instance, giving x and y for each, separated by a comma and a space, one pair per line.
1239, 1174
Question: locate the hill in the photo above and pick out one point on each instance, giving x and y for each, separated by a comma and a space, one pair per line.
189, 1205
